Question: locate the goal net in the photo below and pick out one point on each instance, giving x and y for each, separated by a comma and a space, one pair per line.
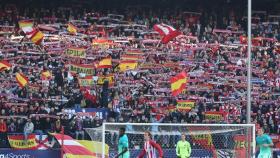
207, 140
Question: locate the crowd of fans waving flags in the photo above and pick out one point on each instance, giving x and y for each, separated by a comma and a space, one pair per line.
85, 48
158, 65
167, 33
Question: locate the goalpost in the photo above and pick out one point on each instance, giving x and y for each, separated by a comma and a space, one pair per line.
207, 140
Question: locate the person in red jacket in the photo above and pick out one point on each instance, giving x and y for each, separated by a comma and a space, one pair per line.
3, 133
3, 126
150, 147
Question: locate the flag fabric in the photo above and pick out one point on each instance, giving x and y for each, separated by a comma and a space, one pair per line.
76, 52
127, 65
216, 115
26, 26
72, 148
168, 32
178, 83
255, 41
243, 39
109, 78
97, 147
46, 75
81, 68
21, 79
32, 33
185, 105
17, 142
72, 29
89, 96
86, 81
105, 63
4, 65
102, 42
37, 37
25, 23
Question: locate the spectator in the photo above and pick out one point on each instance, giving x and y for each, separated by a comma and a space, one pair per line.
47, 125
38, 128
12, 127
28, 129
58, 126
3, 133
79, 128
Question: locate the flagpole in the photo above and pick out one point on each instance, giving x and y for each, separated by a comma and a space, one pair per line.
62, 141
249, 73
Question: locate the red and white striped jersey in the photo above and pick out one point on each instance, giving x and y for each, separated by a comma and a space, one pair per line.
150, 148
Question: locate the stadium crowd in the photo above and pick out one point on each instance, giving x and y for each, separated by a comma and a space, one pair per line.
212, 51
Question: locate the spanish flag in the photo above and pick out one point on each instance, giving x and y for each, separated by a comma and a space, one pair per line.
178, 83
25, 23
27, 27
185, 105
37, 37
4, 65
127, 65
46, 75
72, 29
21, 79
105, 63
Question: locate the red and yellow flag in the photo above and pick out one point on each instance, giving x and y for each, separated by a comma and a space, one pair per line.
46, 75
178, 83
127, 65
25, 23
4, 65
102, 41
72, 29
76, 52
72, 148
21, 79
105, 63
109, 78
185, 105
216, 115
37, 37
86, 81
27, 27
17, 142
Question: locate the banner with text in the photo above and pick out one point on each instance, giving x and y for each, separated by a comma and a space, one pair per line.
109, 78
216, 115
78, 68
86, 82
17, 142
185, 105
76, 52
